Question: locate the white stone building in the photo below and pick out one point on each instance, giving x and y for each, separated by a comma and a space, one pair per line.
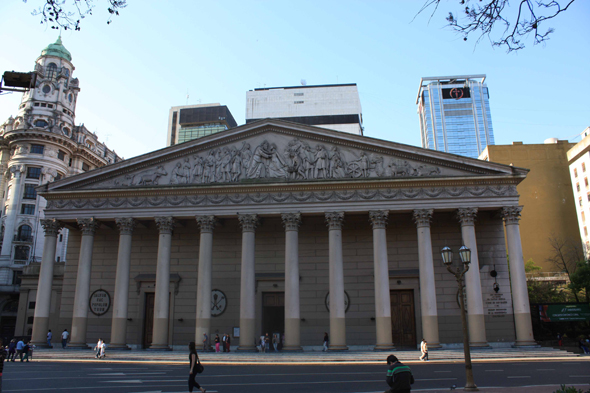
579, 162
284, 228
40, 144
336, 107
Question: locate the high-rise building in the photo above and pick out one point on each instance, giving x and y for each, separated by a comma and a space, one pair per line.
579, 164
189, 122
336, 107
40, 144
455, 114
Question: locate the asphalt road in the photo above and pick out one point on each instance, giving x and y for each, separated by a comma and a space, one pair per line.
39, 376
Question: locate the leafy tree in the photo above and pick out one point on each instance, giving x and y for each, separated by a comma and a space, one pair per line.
580, 279
503, 25
566, 256
67, 14
530, 267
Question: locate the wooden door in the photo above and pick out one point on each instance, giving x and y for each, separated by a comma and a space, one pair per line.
148, 323
403, 322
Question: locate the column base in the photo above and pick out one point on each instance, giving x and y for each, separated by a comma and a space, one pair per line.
337, 348
77, 346
293, 349
118, 347
384, 347
470, 389
244, 348
158, 347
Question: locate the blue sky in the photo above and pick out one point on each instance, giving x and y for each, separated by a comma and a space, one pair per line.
132, 71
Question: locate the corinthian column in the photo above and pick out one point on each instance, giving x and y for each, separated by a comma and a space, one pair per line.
381, 272
291, 221
88, 227
428, 306
475, 317
120, 303
520, 296
337, 307
43, 302
203, 323
162, 296
249, 222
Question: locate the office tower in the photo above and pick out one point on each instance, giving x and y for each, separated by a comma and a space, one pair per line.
336, 107
455, 114
189, 122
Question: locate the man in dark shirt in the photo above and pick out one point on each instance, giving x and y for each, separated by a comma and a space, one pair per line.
399, 377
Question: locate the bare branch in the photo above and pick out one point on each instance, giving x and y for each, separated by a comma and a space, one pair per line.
67, 14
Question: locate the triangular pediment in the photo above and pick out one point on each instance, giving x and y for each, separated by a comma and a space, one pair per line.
271, 151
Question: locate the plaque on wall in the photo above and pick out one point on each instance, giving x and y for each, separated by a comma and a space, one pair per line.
218, 303
346, 301
100, 302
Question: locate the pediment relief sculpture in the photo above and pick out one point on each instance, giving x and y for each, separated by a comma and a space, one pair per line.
277, 159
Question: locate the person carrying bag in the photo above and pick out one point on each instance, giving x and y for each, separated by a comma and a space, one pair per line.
195, 368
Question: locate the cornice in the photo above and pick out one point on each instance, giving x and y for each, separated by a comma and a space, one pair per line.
334, 185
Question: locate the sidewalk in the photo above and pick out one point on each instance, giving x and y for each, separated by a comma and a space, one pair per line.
522, 389
312, 357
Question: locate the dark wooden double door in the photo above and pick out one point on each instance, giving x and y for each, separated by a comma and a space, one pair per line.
403, 321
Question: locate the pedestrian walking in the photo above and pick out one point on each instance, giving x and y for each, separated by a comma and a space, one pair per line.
2, 357
31, 348
97, 348
326, 342
103, 348
49, 337
205, 342
223, 343
194, 364
64, 338
20, 345
275, 341
25, 352
267, 343
399, 376
424, 350
228, 341
559, 340
11, 350
261, 344
583, 345
217, 343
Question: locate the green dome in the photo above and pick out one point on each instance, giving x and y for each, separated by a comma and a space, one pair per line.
58, 50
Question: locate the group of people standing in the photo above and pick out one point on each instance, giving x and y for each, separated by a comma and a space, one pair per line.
20, 349
222, 344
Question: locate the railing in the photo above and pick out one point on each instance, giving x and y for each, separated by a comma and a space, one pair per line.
23, 239
548, 276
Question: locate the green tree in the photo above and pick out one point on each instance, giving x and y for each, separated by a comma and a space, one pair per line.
580, 279
68, 14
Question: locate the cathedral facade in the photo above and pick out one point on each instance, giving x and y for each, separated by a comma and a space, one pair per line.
281, 228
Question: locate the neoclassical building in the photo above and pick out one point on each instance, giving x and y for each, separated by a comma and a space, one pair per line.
40, 144
284, 228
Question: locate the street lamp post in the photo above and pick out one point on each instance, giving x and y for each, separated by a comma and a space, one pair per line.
465, 254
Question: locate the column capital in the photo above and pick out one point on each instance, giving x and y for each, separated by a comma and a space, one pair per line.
206, 223
126, 225
467, 216
291, 221
334, 220
248, 222
51, 226
165, 224
88, 225
422, 217
378, 218
511, 214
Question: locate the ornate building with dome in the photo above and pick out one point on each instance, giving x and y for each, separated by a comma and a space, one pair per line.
40, 144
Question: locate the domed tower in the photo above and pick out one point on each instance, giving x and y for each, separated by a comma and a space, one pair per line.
51, 105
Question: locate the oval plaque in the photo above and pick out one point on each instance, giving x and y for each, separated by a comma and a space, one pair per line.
218, 302
346, 301
100, 302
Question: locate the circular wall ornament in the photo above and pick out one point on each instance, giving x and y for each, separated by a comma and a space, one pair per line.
218, 302
346, 301
100, 302
46, 89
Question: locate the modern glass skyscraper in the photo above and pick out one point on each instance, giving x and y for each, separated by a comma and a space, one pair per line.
455, 114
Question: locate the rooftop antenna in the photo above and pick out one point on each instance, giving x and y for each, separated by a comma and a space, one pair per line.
303, 82
186, 96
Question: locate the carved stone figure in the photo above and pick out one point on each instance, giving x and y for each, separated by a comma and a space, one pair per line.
225, 165
236, 166
150, 177
209, 168
197, 169
321, 162
260, 161
276, 167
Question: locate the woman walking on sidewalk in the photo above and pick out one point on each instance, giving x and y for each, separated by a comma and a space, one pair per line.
194, 363
424, 350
